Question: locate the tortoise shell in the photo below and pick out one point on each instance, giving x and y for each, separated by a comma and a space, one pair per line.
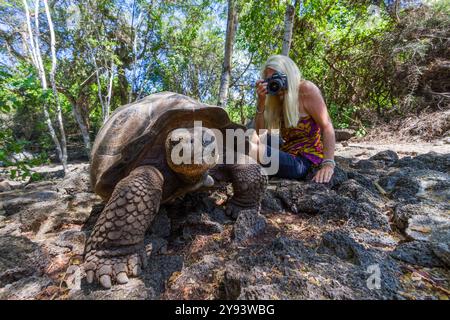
135, 134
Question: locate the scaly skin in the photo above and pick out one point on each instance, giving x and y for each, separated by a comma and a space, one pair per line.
115, 248
249, 185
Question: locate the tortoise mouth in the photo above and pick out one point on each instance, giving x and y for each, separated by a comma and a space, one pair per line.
191, 173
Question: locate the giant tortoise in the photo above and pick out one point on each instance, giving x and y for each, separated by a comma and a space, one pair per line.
133, 171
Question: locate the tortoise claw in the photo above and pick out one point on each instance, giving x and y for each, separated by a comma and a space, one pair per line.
90, 276
109, 269
122, 278
105, 281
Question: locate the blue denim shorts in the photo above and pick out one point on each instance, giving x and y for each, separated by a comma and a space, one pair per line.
290, 166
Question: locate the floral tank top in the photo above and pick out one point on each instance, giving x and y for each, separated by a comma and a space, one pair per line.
303, 140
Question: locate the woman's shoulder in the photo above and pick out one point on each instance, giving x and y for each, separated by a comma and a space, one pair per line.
307, 88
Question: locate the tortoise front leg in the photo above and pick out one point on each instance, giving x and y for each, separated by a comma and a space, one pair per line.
115, 249
249, 185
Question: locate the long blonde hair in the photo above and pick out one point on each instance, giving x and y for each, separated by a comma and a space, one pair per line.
272, 114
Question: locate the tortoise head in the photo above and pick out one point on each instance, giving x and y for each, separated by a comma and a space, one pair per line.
191, 152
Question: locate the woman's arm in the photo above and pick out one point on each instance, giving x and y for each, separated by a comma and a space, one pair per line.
261, 90
314, 105
259, 117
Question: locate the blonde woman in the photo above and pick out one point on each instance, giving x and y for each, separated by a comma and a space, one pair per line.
299, 112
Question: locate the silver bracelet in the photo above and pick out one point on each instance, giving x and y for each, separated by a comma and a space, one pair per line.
259, 112
325, 161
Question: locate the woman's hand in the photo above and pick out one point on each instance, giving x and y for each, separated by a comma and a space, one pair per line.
261, 89
324, 174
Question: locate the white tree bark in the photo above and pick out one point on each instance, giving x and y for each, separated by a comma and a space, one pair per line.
105, 101
53, 83
288, 26
229, 43
135, 28
108, 97
32, 48
37, 35
36, 57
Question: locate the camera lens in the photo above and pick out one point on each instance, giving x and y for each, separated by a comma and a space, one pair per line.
273, 86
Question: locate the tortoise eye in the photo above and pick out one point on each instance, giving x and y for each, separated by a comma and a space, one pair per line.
207, 141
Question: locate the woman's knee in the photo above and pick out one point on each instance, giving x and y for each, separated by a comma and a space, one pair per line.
293, 168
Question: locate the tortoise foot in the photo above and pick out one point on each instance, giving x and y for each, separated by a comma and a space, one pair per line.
249, 185
114, 250
114, 265
233, 209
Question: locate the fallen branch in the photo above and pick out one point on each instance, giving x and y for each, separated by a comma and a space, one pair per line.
380, 189
428, 279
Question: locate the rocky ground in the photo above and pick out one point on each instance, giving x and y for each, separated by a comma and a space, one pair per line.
379, 230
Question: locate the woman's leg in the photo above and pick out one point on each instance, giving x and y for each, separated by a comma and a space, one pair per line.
292, 167
289, 166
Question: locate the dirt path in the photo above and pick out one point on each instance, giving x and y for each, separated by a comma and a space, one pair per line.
364, 150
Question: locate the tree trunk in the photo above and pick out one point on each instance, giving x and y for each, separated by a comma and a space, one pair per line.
55, 92
84, 130
105, 102
241, 106
135, 29
32, 48
108, 97
394, 9
229, 42
81, 120
397, 10
125, 89
37, 60
288, 27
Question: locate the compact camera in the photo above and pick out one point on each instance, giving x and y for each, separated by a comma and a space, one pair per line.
275, 83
